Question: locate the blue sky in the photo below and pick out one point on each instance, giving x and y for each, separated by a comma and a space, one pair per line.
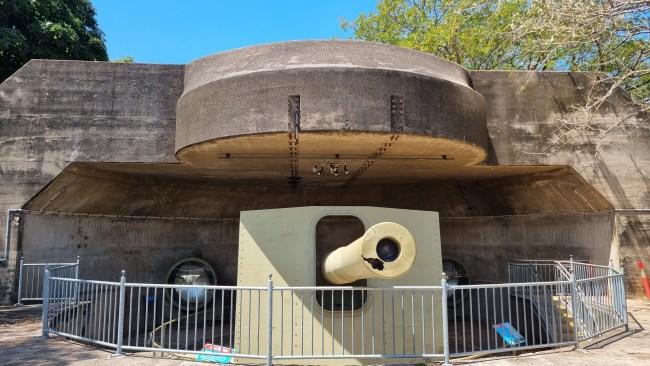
179, 31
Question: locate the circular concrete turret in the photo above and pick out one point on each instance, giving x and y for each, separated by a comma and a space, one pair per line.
328, 110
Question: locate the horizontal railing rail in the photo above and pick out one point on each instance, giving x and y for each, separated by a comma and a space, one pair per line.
239, 323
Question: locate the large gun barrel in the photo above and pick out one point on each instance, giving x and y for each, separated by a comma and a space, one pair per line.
386, 250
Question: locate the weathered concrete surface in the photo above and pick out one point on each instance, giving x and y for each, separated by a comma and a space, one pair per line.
20, 343
163, 190
344, 86
534, 215
55, 112
524, 108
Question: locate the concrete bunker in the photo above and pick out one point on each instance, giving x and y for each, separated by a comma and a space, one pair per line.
338, 128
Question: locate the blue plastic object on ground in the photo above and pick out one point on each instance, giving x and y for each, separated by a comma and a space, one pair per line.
211, 348
510, 335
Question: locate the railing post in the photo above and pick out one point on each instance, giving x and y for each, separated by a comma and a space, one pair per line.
76, 270
46, 301
120, 314
574, 306
269, 324
445, 320
624, 297
20, 282
76, 277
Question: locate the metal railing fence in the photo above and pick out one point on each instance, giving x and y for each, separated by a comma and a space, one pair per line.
291, 323
31, 276
596, 301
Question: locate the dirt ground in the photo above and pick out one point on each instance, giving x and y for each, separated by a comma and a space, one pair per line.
20, 344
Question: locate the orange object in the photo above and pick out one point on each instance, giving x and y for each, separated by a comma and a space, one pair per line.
644, 278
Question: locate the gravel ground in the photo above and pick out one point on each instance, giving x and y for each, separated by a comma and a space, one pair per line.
20, 343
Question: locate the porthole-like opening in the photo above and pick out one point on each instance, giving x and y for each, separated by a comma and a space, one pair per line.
333, 232
388, 250
196, 272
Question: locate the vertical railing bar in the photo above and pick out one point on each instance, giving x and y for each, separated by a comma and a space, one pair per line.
28, 293
311, 311
178, 317
37, 287
480, 320
109, 301
75, 308
63, 315
322, 322
137, 320
45, 315
523, 291
433, 322
471, 320
171, 317
68, 308
153, 320
342, 322
20, 280
424, 322
292, 319
221, 320
196, 320
363, 331
445, 319
269, 324
187, 318
488, 329
332, 316
383, 322
205, 315
413, 320
281, 322
453, 303
302, 325
373, 322
101, 313
130, 314
539, 315
120, 317
574, 304
116, 302
392, 297
494, 317
352, 320
162, 318
213, 297
232, 296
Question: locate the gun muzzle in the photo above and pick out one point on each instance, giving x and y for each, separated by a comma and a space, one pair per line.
386, 250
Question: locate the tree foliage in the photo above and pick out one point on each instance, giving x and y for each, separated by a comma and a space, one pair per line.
124, 60
53, 29
608, 37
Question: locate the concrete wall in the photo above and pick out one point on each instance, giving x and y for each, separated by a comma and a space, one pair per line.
56, 112
483, 245
343, 85
524, 108
145, 247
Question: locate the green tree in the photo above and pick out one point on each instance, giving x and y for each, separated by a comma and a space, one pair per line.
608, 37
52, 29
469, 32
